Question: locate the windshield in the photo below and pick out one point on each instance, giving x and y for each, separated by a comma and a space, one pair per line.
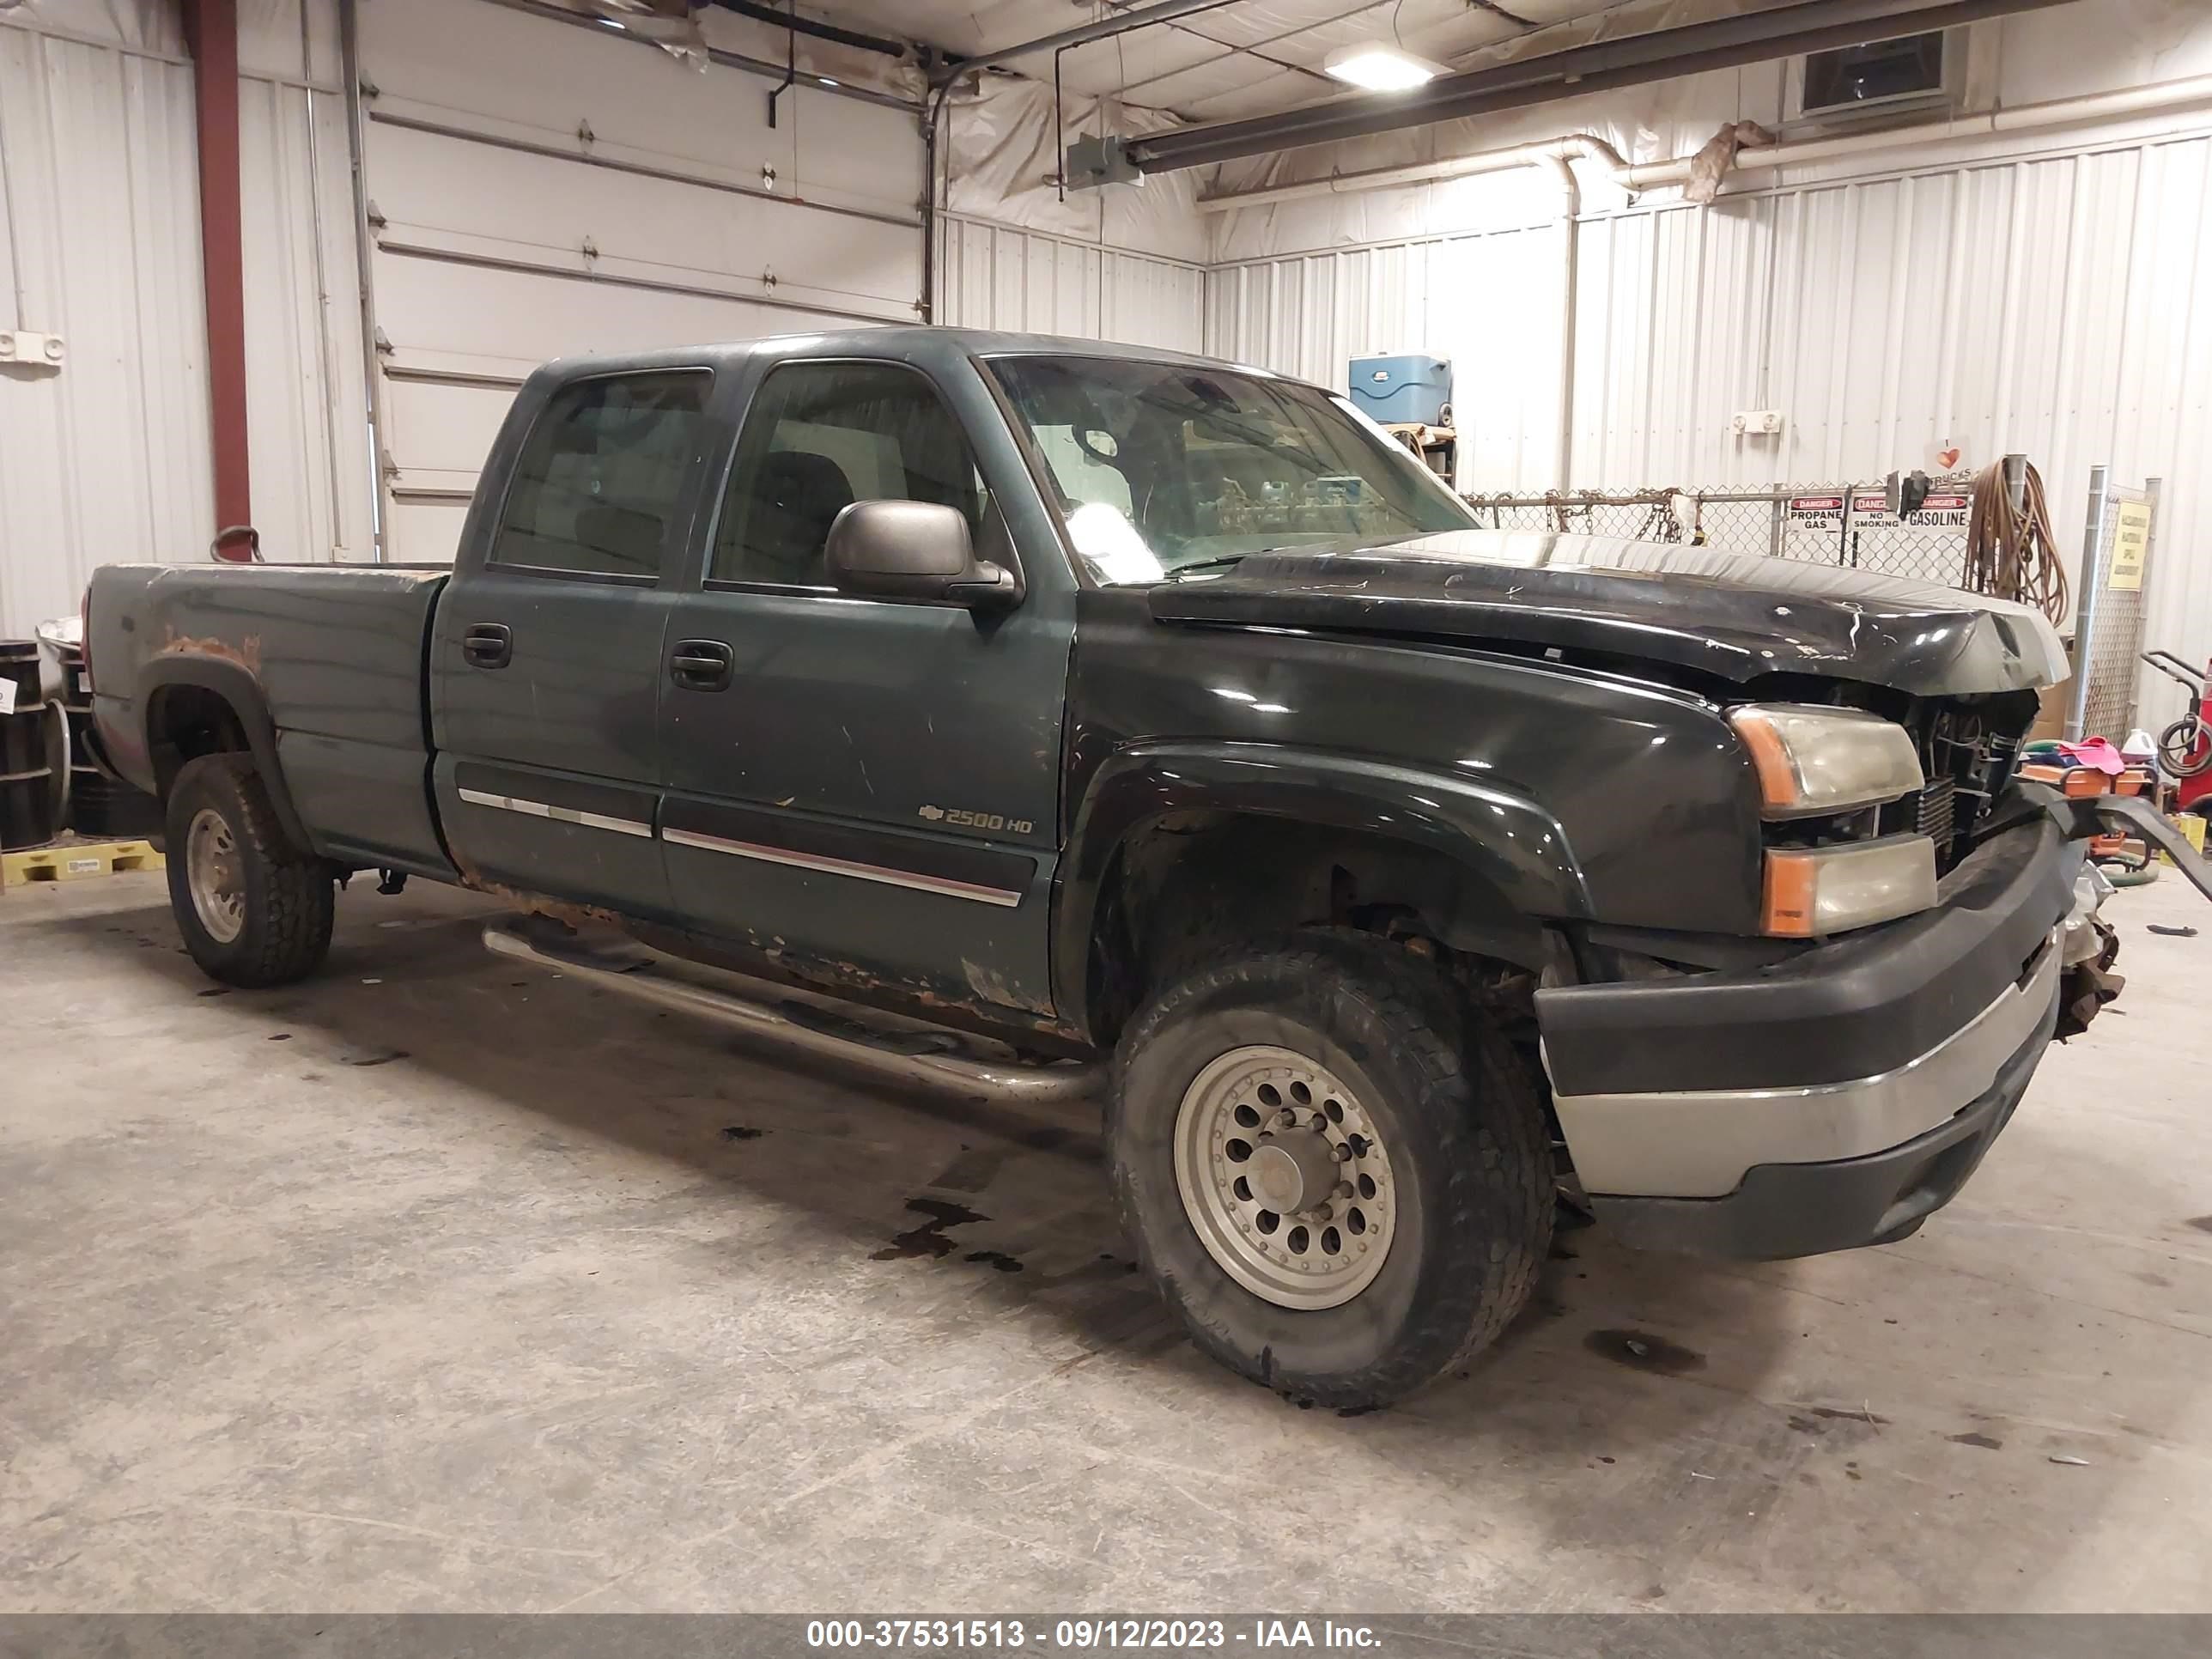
1162, 467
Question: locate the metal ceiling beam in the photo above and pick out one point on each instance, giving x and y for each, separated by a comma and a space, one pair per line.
1605, 65
1103, 29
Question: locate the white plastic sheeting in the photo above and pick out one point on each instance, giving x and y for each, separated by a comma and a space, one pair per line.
1015, 252
1235, 59
109, 458
1001, 161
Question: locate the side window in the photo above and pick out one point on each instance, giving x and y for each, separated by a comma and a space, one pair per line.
820, 436
601, 475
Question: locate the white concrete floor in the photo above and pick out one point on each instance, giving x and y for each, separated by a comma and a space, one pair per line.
438, 1284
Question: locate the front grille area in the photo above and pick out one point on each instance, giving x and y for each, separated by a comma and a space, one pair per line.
1968, 760
1937, 807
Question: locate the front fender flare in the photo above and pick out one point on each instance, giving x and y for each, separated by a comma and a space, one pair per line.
1508, 840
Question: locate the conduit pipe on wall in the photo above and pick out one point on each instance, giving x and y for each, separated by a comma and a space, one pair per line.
1571, 215
1572, 146
1675, 170
372, 367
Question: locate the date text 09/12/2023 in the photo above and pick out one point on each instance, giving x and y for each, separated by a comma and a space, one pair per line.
1079, 1635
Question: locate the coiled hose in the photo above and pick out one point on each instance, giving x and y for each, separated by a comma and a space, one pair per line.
2014, 556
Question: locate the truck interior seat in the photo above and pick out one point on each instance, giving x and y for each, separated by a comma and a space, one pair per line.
800, 494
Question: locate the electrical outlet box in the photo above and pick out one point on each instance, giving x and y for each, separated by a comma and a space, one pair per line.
1755, 422
34, 350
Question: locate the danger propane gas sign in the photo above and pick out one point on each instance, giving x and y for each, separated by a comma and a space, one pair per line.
1847, 527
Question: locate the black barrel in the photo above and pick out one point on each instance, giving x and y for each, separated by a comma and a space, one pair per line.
30, 791
101, 806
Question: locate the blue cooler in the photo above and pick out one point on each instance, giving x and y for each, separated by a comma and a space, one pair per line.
1401, 390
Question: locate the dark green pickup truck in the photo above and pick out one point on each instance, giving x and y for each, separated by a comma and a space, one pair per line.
1040, 719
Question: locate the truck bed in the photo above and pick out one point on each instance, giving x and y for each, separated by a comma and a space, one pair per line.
338, 654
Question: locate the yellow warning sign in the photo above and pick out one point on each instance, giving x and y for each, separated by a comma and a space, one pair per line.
2130, 541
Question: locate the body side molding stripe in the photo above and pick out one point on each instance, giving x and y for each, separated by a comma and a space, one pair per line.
539, 809
746, 849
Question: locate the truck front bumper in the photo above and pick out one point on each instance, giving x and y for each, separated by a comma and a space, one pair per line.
1836, 1099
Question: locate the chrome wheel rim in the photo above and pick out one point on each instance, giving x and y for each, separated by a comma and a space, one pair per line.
1261, 1127
212, 872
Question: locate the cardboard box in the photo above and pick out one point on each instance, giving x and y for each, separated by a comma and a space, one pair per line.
2050, 705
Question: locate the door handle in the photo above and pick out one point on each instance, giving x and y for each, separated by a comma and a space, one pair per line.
487, 644
701, 664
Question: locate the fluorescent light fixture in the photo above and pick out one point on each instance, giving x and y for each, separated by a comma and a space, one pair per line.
1374, 67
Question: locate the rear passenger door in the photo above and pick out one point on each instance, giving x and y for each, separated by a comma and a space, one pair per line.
865, 783
546, 666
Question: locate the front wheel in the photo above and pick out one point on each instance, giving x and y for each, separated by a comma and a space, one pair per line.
253, 909
1341, 1187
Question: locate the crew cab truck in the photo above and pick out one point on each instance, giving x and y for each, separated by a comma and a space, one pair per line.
1086, 721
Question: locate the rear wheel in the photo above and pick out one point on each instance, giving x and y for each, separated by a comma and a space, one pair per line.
253, 909
1342, 1190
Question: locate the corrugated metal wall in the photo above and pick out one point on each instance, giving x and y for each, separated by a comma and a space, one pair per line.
994, 276
109, 458
2052, 304
1308, 314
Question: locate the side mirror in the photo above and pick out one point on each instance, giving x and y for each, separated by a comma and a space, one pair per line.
913, 551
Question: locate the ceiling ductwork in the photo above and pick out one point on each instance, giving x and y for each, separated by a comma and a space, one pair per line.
1606, 66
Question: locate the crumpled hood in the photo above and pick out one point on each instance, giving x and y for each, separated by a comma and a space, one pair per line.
1732, 614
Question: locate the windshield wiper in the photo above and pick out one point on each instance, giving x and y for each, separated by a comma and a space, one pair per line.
1218, 561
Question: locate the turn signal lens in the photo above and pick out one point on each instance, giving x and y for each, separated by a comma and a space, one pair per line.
1813, 891
1811, 760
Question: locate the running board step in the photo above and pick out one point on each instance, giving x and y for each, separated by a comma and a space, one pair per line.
927, 1057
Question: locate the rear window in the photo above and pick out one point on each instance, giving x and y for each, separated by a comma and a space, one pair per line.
602, 474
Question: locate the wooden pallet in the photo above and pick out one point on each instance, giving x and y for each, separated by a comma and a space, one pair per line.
74, 860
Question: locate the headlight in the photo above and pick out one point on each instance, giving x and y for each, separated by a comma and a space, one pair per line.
1813, 760
1813, 891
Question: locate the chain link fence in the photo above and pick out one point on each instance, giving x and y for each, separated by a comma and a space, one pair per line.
2114, 585
1848, 525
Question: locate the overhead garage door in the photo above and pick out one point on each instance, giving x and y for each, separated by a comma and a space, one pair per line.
540, 189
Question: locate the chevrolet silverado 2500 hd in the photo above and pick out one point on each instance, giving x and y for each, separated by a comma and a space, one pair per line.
1079, 720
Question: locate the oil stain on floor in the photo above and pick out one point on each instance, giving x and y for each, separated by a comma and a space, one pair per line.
928, 1239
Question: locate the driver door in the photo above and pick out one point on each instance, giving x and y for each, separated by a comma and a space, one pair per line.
866, 783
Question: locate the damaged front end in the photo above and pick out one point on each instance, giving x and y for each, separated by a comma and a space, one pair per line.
2088, 943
